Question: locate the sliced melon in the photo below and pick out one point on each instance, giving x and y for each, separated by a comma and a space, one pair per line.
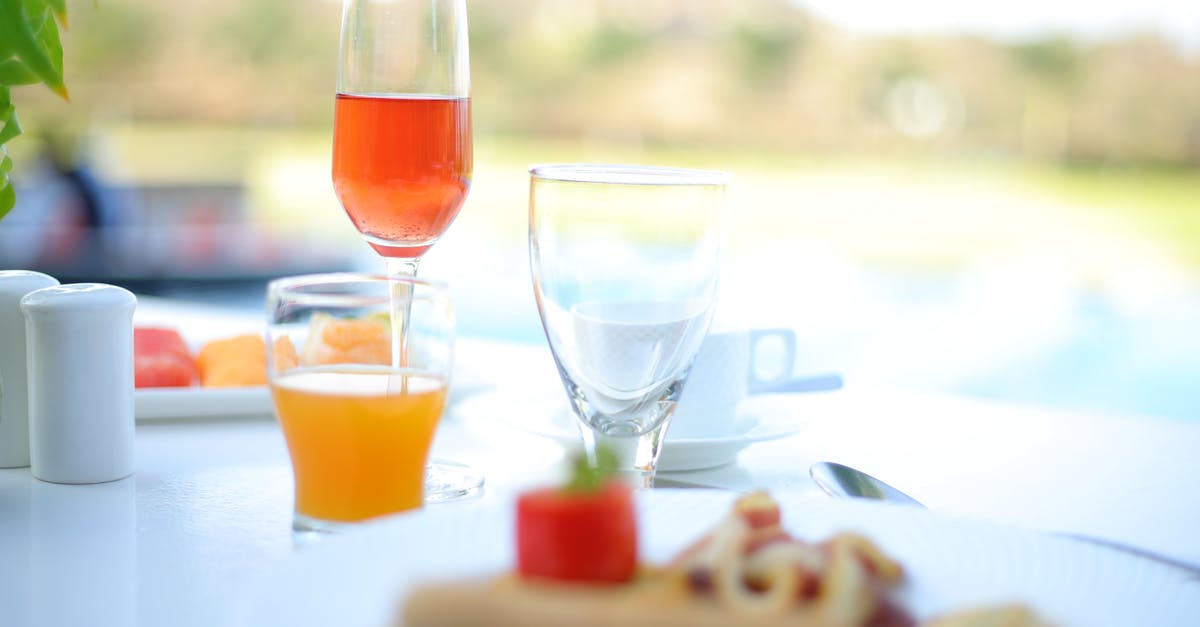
340, 341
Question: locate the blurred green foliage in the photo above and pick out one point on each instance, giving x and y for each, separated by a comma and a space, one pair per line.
1056, 60
30, 53
767, 49
609, 44
117, 38
759, 74
258, 31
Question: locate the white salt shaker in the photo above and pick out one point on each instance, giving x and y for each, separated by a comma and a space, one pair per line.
14, 403
80, 362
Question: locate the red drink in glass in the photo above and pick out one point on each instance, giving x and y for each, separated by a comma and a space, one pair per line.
402, 167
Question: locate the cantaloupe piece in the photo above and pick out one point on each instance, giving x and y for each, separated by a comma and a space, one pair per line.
233, 362
285, 354
339, 341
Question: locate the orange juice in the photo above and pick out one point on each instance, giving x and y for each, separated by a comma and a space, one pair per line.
358, 438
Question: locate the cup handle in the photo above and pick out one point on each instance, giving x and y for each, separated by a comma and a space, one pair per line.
755, 383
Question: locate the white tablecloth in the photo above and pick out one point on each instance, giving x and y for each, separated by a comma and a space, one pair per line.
208, 509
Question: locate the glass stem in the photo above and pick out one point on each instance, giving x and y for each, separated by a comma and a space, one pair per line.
401, 266
401, 306
637, 456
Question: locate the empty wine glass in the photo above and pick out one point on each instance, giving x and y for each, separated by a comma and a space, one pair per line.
625, 263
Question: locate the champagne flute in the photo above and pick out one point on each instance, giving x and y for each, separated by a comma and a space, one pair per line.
625, 263
402, 159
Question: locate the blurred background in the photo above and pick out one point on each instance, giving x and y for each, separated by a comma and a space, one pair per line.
997, 201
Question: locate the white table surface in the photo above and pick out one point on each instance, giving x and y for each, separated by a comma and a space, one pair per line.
208, 510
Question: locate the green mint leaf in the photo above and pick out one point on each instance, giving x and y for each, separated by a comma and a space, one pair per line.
586, 477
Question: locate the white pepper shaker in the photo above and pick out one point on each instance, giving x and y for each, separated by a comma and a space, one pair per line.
79, 351
14, 398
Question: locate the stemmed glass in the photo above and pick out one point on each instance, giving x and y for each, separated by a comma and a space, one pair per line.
625, 263
402, 157
402, 123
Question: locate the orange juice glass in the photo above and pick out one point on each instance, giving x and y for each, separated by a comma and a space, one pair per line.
359, 368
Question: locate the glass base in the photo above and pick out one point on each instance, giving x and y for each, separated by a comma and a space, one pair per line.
636, 455
308, 531
447, 480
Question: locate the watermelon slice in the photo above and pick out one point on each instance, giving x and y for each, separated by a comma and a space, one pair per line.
162, 359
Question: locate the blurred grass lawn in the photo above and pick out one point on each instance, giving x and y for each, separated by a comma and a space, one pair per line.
924, 213
1032, 283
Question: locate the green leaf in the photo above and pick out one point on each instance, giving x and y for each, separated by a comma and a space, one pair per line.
8, 197
17, 29
13, 72
10, 126
30, 52
46, 29
60, 10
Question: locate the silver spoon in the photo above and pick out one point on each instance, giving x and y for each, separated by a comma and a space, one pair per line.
841, 481
846, 482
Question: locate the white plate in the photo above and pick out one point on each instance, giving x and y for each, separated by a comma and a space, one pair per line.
544, 413
243, 402
199, 324
200, 402
359, 579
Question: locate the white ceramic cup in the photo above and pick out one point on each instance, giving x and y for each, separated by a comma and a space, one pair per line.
14, 397
729, 366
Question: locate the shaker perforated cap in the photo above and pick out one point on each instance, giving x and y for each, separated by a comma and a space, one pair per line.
76, 296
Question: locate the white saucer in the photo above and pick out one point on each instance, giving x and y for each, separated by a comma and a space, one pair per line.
545, 413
